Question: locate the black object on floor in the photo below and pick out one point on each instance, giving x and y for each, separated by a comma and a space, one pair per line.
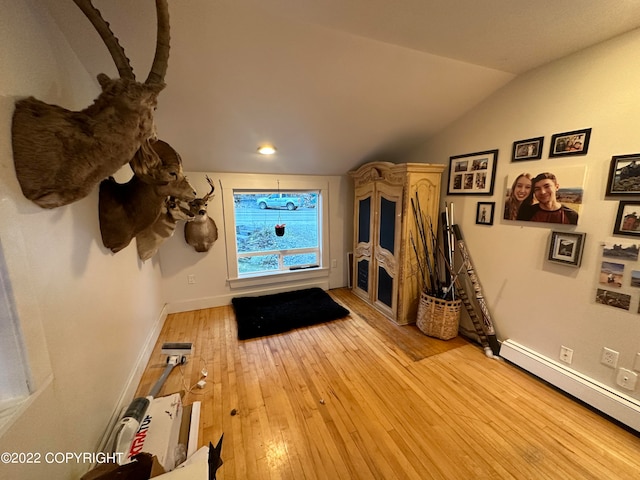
281, 312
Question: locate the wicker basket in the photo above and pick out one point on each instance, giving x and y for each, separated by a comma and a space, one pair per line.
438, 318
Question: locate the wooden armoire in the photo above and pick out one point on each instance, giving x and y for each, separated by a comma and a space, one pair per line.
385, 269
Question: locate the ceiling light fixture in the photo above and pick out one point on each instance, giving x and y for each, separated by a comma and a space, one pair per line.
266, 149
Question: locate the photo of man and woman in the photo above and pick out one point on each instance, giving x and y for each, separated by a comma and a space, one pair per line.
542, 197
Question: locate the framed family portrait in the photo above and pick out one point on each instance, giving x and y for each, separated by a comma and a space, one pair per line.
530, 149
566, 248
472, 174
570, 143
484, 213
628, 219
624, 176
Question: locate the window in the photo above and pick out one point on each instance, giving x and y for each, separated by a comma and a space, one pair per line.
14, 374
276, 231
253, 206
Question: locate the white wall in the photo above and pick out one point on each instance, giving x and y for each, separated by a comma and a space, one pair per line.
87, 315
178, 259
539, 304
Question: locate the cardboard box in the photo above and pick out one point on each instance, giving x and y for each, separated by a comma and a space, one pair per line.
159, 430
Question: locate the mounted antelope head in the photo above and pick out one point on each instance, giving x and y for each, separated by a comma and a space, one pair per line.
126, 209
60, 155
149, 240
202, 232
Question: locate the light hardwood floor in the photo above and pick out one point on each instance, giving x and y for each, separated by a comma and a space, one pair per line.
361, 398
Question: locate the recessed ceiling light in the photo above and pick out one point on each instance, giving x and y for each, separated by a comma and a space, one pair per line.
266, 149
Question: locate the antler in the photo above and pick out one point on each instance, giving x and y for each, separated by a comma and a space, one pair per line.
110, 40
161, 58
205, 199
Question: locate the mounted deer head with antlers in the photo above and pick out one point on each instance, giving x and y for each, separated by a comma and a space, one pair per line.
126, 209
202, 232
60, 155
149, 240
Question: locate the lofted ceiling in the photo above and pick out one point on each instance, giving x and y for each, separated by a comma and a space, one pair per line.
332, 83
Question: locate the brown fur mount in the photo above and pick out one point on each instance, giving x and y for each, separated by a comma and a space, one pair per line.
60, 155
126, 209
149, 240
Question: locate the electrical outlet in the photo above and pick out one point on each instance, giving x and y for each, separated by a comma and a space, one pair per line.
191, 279
627, 379
566, 354
609, 357
636, 365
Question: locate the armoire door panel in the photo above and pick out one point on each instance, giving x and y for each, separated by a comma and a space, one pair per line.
386, 288
362, 273
364, 220
388, 220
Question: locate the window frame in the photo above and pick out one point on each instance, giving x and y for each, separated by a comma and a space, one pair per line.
268, 183
20, 386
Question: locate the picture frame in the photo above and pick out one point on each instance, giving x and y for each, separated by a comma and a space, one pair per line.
571, 143
628, 219
566, 248
473, 173
529, 149
624, 176
484, 213
519, 203
613, 299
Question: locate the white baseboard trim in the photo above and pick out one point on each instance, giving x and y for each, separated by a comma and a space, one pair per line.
133, 381
613, 403
220, 300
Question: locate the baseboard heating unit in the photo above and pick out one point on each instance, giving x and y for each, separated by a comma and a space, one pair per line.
615, 404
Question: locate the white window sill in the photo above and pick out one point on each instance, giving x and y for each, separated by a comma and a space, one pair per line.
278, 277
12, 411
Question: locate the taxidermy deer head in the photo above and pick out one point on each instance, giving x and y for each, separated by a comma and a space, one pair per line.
126, 209
149, 240
202, 232
60, 155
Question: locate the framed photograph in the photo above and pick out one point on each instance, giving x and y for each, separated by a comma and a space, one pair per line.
566, 248
570, 143
613, 299
530, 149
624, 176
621, 251
559, 202
611, 274
484, 213
628, 219
472, 174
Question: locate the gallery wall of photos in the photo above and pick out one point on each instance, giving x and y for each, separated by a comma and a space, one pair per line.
619, 272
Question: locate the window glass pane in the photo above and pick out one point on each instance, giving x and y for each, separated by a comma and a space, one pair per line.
256, 217
259, 263
301, 259
14, 371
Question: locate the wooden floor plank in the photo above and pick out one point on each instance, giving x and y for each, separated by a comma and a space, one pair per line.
363, 398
